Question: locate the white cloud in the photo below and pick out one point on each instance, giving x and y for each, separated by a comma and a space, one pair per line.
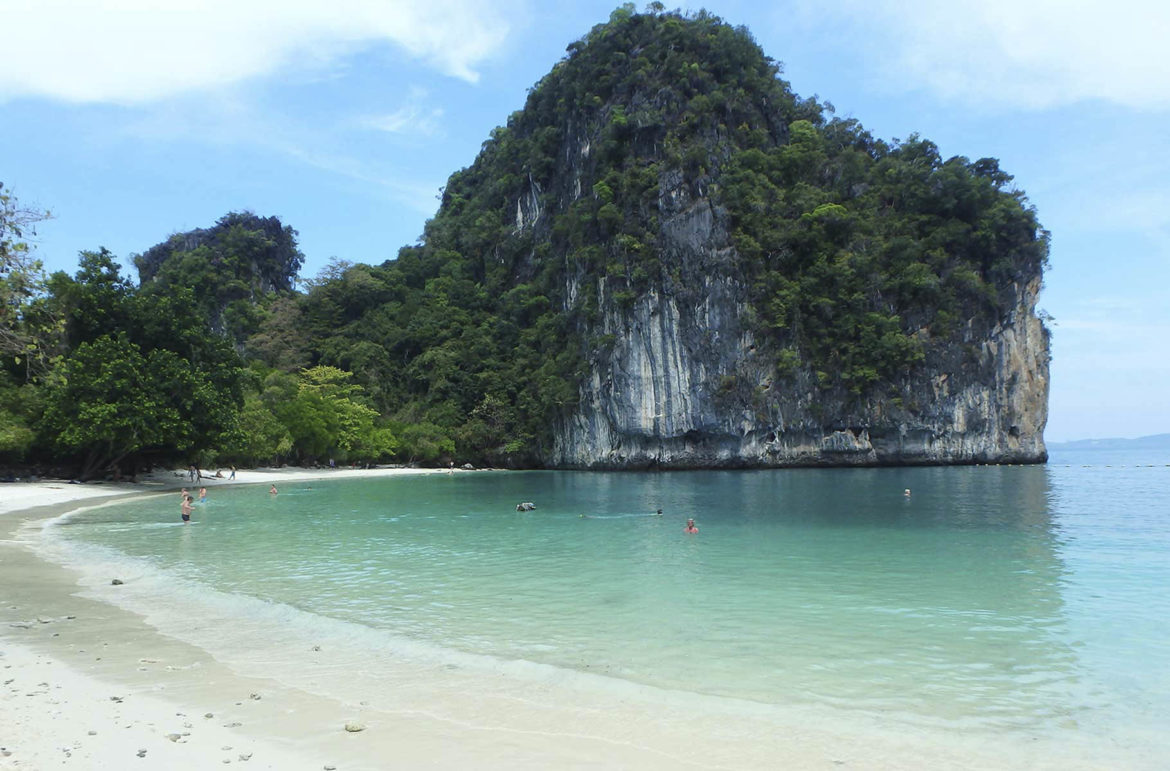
410, 119
1019, 53
232, 121
134, 51
419, 196
414, 118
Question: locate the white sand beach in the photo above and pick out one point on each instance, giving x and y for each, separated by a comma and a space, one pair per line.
86, 685
89, 685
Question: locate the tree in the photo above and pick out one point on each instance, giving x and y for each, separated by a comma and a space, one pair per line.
28, 334
22, 280
18, 405
109, 400
95, 301
326, 417
281, 341
425, 442
145, 376
258, 436
233, 269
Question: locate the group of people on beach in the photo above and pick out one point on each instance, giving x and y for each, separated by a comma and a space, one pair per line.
195, 473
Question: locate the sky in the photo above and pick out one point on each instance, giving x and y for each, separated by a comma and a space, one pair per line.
130, 120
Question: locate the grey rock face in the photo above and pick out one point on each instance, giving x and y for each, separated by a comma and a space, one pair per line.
686, 385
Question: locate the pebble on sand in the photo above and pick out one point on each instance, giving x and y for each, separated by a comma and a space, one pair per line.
354, 727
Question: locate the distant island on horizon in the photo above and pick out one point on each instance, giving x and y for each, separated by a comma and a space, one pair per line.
1151, 442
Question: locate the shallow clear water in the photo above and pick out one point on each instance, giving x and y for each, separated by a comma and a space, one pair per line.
1009, 599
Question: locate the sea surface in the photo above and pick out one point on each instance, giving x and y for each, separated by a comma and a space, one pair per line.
1010, 600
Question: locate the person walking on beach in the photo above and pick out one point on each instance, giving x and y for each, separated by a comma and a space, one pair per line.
185, 509
233, 476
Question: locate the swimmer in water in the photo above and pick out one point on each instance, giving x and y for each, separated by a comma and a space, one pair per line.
657, 513
203, 495
690, 528
185, 509
906, 492
272, 489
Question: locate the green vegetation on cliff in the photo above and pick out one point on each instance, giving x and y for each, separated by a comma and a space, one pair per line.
861, 257
860, 253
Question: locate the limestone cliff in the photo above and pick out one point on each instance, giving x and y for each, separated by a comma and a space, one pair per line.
688, 385
669, 259
689, 377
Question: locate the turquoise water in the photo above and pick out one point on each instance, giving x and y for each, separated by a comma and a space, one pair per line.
1005, 599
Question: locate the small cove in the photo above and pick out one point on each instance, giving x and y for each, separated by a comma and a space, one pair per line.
1008, 601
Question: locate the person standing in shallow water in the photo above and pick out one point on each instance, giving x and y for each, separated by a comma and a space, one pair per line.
690, 528
185, 509
203, 495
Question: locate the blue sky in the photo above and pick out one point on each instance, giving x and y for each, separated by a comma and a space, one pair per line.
131, 120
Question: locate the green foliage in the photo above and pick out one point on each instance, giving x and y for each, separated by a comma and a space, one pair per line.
143, 376
230, 269
425, 442
19, 406
28, 337
110, 399
258, 437
326, 418
860, 252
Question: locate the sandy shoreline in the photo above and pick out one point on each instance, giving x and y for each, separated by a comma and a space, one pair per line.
87, 684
